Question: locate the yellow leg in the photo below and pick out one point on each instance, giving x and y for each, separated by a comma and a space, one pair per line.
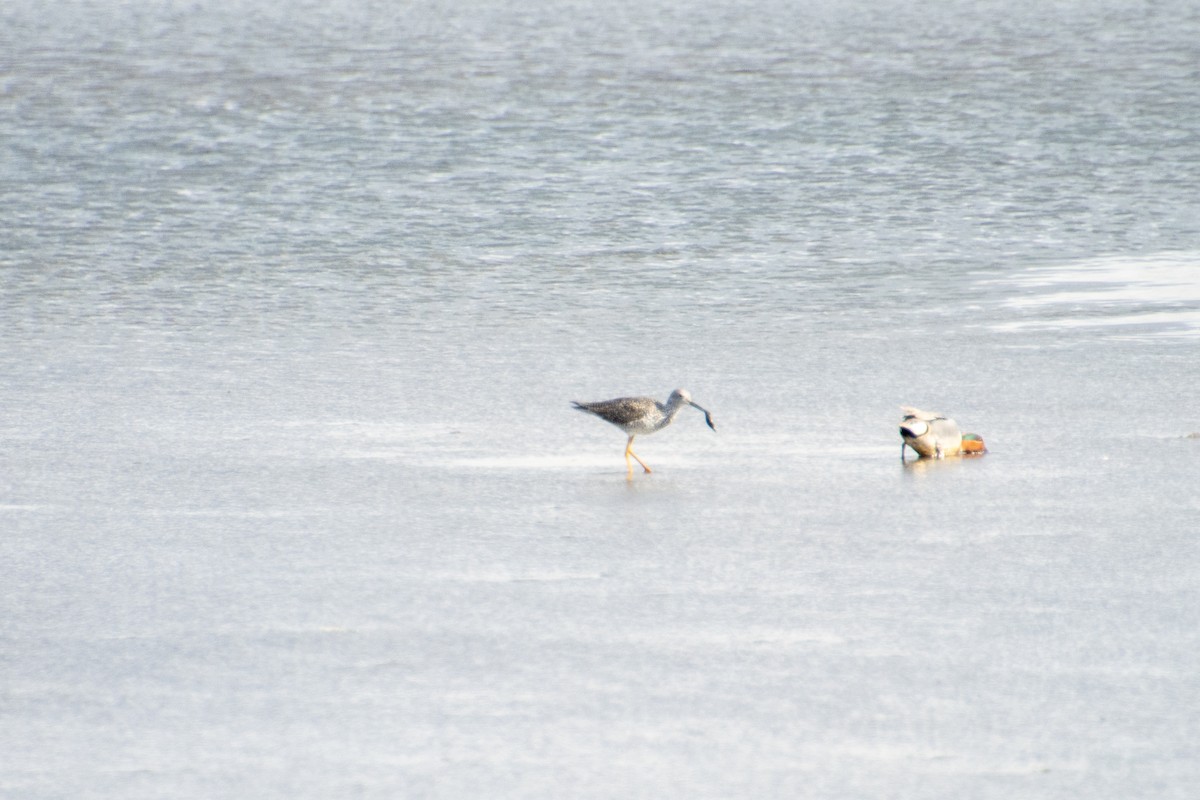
629, 452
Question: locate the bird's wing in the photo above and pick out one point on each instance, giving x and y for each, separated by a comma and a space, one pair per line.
621, 411
917, 413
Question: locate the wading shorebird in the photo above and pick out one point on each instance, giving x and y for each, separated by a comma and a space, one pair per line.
932, 435
641, 416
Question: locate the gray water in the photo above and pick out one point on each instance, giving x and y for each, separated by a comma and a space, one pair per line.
295, 298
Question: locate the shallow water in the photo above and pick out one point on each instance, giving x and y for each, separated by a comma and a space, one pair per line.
294, 500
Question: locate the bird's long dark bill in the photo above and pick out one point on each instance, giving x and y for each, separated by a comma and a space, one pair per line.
707, 417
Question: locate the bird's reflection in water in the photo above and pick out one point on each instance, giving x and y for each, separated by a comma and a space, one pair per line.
925, 466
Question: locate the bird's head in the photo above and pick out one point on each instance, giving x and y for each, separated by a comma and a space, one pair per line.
680, 396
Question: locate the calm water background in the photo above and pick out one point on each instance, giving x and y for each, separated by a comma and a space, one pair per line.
295, 297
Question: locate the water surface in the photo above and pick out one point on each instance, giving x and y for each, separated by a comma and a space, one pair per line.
295, 300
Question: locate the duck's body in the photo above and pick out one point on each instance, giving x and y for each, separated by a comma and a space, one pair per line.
641, 416
932, 435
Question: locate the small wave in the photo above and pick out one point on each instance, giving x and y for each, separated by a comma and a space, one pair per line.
1136, 297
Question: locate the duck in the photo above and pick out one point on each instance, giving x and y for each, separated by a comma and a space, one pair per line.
934, 435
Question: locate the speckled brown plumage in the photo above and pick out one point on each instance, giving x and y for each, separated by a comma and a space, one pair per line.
623, 411
638, 416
